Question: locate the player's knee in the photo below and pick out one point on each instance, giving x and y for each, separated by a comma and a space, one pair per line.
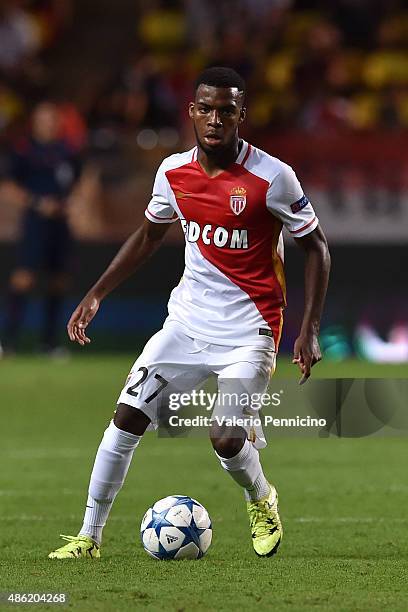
22, 280
227, 441
131, 420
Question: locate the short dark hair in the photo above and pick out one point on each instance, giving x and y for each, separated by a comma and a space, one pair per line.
220, 76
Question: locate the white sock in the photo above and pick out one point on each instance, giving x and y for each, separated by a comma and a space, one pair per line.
245, 468
109, 472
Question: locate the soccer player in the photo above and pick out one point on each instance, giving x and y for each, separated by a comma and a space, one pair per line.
225, 316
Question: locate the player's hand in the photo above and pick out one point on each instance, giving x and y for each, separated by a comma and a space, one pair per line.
306, 353
80, 319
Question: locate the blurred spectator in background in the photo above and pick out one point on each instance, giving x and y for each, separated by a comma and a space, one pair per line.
333, 67
43, 172
328, 84
28, 28
19, 37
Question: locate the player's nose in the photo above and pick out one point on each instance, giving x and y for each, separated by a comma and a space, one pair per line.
214, 119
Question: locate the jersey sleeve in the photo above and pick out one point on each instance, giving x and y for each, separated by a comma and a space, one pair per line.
285, 199
159, 209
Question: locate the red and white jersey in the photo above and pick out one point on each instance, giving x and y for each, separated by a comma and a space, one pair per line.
233, 288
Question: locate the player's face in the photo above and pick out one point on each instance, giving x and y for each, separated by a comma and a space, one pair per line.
216, 112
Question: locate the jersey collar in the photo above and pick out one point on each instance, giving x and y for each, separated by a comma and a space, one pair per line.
242, 155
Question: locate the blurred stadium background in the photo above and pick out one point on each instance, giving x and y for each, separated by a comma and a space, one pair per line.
327, 93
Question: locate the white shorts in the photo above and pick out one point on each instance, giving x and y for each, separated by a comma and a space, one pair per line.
173, 362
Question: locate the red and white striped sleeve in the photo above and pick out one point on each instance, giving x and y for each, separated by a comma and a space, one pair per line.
285, 199
159, 209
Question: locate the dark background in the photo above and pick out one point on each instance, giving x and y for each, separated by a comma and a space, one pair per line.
327, 93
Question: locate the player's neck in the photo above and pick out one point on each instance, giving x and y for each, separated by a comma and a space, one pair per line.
214, 163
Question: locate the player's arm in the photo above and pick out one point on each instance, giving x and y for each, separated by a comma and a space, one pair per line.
317, 268
287, 201
134, 252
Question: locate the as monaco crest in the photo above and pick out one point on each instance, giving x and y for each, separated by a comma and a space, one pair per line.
238, 200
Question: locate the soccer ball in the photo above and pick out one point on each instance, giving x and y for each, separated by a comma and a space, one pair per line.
176, 527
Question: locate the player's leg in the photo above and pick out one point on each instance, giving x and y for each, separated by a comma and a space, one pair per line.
240, 459
163, 364
164, 361
112, 461
238, 455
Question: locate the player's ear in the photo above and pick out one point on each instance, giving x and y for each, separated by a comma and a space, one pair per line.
191, 107
242, 115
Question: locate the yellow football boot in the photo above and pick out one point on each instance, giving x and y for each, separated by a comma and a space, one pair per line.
266, 526
77, 547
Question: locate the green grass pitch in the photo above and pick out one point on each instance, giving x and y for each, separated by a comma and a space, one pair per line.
343, 503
